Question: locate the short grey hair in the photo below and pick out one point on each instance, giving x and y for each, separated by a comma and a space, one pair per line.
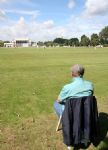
78, 69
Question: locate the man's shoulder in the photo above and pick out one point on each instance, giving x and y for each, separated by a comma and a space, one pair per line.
88, 82
68, 85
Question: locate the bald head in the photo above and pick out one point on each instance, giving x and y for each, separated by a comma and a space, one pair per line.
77, 70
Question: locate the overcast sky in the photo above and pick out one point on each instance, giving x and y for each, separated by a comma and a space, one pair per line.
47, 19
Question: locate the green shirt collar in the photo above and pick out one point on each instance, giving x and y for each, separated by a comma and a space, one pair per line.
76, 79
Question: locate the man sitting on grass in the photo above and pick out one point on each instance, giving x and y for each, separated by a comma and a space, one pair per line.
77, 88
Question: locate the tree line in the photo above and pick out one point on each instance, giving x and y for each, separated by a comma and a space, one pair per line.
94, 40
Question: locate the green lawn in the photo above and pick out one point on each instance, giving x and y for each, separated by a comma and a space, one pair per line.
30, 80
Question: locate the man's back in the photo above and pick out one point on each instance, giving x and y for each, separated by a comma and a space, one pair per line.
78, 88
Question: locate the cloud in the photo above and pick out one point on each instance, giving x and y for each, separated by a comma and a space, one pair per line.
94, 7
48, 24
81, 25
3, 1
71, 4
34, 13
48, 30
36, 31
22, 28
2, 15
22, 12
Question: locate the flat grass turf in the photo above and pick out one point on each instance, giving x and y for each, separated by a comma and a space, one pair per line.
30, 81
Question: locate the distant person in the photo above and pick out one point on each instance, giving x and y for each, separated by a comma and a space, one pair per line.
77, 88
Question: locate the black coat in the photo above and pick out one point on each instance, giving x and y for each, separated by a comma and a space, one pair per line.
79, 121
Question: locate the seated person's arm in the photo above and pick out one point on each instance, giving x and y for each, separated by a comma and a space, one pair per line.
63, 95
58, 99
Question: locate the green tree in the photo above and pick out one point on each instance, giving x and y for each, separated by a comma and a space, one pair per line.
94, 39
40, 43
48, 43
74, 42
1, 43
85, 41
66, 42
104, 35
61, 41
6, 41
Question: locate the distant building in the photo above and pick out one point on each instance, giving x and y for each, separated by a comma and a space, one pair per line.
19, 43
11, 44
34, 44
22, 42
99, 46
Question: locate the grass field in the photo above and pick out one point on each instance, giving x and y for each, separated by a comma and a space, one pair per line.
30, 80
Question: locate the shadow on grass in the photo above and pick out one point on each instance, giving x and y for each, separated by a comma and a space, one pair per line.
103, 129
